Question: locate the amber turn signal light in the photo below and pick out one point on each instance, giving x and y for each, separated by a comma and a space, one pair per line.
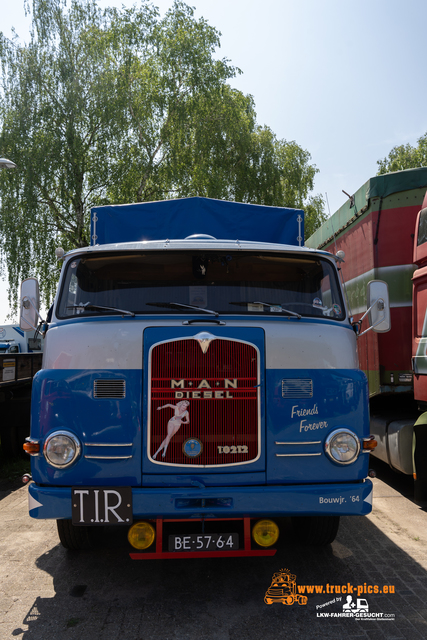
31, 447
370, 444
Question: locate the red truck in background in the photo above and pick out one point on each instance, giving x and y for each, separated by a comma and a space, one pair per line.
382, 230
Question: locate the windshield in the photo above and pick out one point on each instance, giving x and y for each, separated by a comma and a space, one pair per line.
236, 282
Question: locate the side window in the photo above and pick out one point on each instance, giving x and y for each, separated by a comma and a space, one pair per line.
422, 229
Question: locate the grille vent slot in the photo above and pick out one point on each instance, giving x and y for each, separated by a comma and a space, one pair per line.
109, 389
297, 388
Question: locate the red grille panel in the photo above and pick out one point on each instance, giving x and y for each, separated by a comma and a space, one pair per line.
220, 387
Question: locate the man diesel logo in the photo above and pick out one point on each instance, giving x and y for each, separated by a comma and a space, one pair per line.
204, 389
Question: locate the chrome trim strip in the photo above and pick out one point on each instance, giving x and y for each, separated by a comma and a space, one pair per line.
314, 442
115, 444
108, 457
296, 455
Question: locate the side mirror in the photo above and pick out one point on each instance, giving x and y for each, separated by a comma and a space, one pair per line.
378, 311
29, 305
378, 306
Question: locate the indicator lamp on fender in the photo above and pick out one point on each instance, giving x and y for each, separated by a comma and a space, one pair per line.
141, 535
342, 446
369, 444
32, 447
265, 533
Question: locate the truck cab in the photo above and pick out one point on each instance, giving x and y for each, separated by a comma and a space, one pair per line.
199, 386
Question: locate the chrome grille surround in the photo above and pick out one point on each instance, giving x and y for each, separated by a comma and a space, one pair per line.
189, 370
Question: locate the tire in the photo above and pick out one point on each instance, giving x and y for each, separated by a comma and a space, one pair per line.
420, 457
74, 538
316, 531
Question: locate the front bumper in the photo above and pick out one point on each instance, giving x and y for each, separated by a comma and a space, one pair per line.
222, 502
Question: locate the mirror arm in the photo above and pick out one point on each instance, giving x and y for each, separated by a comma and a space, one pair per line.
381, 305
26, 302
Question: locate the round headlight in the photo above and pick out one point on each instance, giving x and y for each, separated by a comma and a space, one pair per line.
342, 446
61, 449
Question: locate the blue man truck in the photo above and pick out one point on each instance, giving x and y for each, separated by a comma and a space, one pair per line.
200, 380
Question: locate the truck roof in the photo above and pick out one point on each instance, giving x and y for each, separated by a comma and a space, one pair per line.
197, 242
376, 187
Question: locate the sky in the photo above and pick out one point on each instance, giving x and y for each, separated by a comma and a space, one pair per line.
346, 80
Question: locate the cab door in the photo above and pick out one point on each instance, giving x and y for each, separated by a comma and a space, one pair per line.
419, 339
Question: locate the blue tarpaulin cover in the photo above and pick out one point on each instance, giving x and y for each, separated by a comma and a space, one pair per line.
178, 219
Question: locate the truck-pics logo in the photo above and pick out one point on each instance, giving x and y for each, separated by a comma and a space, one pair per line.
283, 589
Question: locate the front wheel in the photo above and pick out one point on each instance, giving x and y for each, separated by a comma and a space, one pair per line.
419, 459
72, 537
316, 531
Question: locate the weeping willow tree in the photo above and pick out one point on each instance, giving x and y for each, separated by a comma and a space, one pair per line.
58, 126
112, 106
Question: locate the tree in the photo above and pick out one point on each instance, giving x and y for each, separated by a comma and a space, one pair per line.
58, 125
179, 117
121, 106
314, 214
405, 157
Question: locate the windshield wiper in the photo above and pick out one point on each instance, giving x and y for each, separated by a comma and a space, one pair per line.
88, 306
276, 307
179, 305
